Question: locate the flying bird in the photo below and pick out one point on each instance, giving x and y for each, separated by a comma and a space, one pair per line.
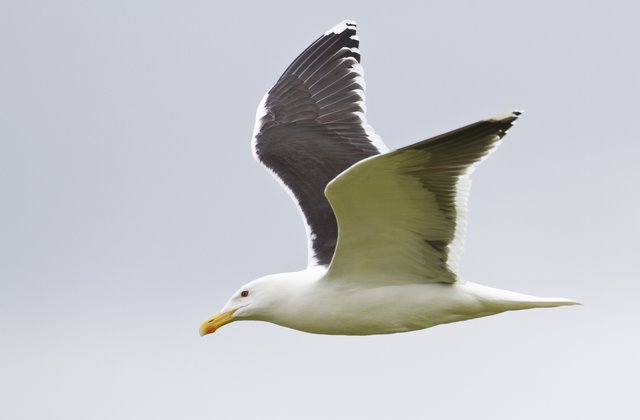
385, 229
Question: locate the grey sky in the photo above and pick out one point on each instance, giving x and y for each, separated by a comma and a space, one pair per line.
130, 209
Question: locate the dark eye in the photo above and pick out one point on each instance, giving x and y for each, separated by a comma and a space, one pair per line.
244, 293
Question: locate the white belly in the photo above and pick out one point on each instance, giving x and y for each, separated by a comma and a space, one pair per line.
382, 310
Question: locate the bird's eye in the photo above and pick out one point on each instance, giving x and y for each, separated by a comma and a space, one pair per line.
244, 293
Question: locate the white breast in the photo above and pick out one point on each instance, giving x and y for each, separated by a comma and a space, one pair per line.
335, 308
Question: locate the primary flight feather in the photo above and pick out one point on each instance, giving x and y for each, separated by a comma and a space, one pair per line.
385, 229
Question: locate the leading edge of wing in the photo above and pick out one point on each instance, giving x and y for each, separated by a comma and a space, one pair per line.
311, 126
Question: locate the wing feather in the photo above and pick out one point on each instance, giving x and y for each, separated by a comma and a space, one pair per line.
402, 215
310, 127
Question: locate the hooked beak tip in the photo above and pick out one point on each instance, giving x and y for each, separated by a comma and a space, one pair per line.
212, 324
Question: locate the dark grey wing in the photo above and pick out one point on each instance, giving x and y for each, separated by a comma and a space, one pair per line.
311, 126
402, 215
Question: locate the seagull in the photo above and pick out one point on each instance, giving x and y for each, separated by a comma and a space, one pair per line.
385, 229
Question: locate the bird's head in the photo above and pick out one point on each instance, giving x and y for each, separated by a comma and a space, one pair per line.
255, 300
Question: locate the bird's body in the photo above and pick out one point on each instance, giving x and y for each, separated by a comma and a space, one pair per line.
309, 301
385, 229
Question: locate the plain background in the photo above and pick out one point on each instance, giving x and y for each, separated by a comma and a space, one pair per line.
131, 209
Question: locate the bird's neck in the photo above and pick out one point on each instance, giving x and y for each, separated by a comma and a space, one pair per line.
293, 291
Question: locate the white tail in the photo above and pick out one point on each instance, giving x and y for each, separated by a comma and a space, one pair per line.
505, 300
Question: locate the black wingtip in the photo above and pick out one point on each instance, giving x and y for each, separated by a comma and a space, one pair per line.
345, 25
507, 117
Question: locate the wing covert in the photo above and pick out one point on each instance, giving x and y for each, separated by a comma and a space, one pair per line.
403, 213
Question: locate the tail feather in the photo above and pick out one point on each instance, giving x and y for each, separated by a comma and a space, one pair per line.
512, 301
540, 302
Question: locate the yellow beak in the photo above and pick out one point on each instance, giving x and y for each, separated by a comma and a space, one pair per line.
216, 321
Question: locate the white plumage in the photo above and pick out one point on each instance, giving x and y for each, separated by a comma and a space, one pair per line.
385, 229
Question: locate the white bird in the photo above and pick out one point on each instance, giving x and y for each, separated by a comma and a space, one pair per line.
385, 229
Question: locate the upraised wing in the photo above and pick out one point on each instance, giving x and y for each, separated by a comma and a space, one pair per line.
311, 126
402, 215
